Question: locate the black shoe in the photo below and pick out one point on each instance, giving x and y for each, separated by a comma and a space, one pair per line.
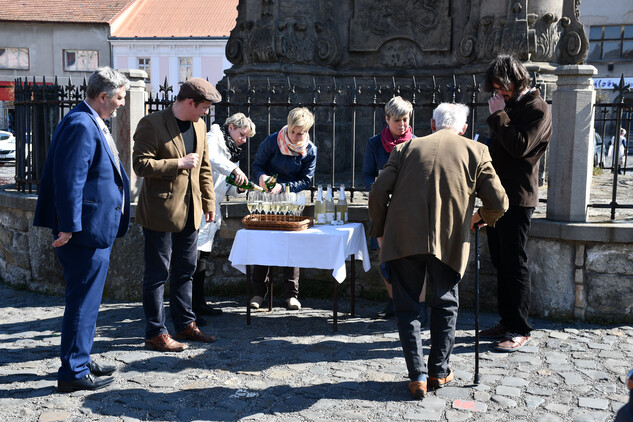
89, 382
204, 309
387, 312
100, 370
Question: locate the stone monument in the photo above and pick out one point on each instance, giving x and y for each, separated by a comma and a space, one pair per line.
362, 52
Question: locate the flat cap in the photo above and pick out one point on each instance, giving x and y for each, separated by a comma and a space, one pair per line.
200, 90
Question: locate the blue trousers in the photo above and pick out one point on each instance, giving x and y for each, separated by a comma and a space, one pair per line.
170, 256
85, 270
407, 278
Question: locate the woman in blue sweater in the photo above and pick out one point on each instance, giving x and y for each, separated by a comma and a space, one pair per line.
291, 156
397, 116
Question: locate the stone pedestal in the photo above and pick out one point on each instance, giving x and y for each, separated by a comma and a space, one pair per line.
124, 124
571, 147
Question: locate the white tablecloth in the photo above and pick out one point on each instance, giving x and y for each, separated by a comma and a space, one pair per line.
323, 247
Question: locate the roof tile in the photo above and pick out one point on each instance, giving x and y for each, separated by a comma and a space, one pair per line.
70, 11
177, 18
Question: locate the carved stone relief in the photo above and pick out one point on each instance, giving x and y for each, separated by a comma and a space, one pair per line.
405, 33
543, 30
424, 22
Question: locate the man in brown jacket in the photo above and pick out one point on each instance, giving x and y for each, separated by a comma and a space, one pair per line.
421, 206
171, 154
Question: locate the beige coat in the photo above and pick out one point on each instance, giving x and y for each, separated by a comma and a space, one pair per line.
433, 182
163, 204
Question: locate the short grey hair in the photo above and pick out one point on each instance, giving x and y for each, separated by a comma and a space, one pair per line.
239, 120
397, 108
450, 116
105, 79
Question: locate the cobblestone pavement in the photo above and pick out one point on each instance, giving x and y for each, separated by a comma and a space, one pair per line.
290, 366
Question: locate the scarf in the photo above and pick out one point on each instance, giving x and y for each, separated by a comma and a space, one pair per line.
388, 142
234, 150
287, 147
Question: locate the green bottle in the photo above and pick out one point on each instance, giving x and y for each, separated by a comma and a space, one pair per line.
248, 185
271, 182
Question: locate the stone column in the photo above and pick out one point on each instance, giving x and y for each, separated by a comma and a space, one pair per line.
124, 124
571, 148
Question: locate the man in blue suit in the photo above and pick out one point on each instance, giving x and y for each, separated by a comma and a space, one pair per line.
84, 198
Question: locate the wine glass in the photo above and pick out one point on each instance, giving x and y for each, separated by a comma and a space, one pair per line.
301, 203
266, 203
250, 202
291, 200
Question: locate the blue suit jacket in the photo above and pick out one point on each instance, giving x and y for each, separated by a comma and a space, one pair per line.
81, 190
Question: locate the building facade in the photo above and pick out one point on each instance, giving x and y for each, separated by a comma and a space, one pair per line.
609, 26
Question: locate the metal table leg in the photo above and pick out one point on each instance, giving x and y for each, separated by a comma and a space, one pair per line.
248, 295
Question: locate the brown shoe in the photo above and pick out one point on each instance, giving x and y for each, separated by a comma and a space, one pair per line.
512, 343
493, 333
435, 382
164, 343
192, 332
418, 389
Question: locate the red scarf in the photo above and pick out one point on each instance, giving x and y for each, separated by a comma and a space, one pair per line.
388, 142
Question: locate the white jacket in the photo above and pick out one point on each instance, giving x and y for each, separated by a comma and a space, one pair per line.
222, 166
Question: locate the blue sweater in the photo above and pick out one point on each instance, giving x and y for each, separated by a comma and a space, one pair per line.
375, 159
294, 171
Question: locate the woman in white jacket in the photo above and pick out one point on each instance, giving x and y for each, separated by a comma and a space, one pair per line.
224, 153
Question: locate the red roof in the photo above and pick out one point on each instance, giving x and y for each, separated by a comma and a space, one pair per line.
69, 11
177, 18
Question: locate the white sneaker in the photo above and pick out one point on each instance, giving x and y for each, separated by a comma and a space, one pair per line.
256, 302
293, 304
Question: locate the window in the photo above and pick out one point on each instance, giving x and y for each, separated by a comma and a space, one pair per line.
14, 58
81, 60
185, 68
610, 43
144, 64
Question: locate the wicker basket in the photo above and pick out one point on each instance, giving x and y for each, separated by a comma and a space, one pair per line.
268, 222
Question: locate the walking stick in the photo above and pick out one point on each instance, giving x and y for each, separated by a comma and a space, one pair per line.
477, 304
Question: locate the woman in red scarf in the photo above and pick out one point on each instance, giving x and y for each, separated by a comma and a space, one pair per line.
397, 116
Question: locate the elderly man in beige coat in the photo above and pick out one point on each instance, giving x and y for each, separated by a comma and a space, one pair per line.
421, 206
172, 156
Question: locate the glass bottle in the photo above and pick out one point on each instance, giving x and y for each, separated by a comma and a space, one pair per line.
330, 209
319, 207
248, 185
341, 206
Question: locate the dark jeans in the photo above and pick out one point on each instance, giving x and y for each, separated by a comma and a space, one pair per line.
507, 242
261, 276
173, 256
407, 278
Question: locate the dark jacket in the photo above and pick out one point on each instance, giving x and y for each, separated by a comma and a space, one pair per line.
374, 160
81, 191
294, 171
520, 135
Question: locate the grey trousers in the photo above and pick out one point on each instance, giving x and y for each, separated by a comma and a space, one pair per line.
407, 278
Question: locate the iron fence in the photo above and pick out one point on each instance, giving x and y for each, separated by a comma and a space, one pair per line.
39, 107
348, 111
609, 119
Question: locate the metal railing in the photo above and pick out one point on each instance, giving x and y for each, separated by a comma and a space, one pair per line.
347, 110
609, 119
39, 107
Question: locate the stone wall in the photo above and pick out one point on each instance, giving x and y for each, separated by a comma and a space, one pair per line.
579, 271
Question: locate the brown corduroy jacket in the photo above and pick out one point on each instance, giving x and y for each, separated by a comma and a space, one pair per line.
164, 200
423, 199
